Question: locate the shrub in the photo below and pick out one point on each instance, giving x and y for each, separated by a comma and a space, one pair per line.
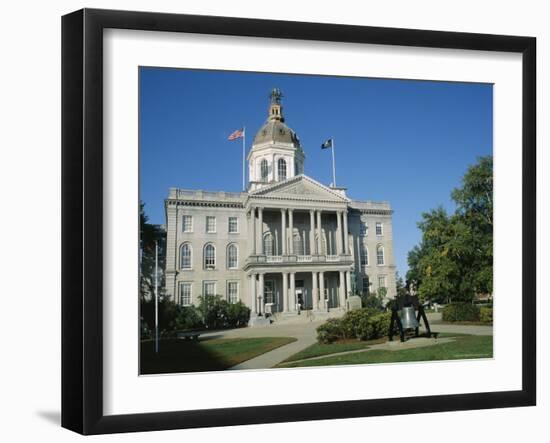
352, 319
374, 326
486, 314
188, 317
362, 324
167, 311
460, 312
238, 314
330, 331
219, 314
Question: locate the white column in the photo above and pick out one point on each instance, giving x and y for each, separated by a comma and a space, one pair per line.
291, 233
261, 307
292, 295
285, 292
315, 292
348, 282
260, 231
346, 246
253, 294
319, 234
283, 231
253, 230
338, 233
322, 302
311, 232
342, 290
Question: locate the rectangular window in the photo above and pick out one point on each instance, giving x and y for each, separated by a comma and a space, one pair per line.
187, 223
233, 225
380, 255
379, 228
381, 281
210, 223
185, 294
366, 285
209, 288
364, 255
364, 229
233, 291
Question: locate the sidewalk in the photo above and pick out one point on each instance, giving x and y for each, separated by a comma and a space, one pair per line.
304, 332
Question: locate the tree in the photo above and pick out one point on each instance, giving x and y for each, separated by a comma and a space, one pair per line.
400, 285
454, 259
149, 234
474, 202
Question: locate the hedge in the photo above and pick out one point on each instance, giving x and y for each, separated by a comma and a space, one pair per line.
486, 314
362, 324
460, 312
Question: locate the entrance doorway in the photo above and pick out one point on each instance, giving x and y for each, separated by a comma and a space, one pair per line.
269, 296
300, 292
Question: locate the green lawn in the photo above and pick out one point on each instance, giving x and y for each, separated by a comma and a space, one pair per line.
204, 355
319, 349
463, 347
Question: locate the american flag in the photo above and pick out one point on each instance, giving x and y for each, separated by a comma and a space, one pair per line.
239, 133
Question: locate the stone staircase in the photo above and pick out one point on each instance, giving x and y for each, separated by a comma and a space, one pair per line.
306, 316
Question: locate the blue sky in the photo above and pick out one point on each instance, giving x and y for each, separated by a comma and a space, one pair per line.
406, 142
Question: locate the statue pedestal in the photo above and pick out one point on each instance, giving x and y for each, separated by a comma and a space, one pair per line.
256, 321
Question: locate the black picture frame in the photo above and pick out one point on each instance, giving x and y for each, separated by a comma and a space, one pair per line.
82, 215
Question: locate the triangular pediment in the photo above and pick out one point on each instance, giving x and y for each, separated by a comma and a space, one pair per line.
301, 187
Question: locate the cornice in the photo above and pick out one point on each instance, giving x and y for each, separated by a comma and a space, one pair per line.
204, 203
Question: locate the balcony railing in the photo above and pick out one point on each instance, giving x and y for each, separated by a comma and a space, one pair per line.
290, 259
274, 258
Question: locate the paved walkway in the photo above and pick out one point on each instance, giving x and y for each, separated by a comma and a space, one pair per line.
304, 330
435, 318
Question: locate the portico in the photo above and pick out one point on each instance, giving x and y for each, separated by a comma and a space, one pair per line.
301, 250
289, 291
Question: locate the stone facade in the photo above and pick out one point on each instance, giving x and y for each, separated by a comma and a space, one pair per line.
289, 243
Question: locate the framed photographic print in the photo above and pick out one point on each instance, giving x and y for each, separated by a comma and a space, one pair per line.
269, 221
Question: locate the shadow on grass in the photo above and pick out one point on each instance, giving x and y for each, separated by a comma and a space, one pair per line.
463, 347
208, 354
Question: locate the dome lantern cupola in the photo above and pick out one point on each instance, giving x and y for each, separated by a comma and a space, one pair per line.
276, 153
275, 108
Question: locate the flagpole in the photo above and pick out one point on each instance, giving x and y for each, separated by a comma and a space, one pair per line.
333, 165
156, 298
244, 142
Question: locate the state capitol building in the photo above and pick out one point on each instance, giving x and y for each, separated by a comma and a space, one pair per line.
288, 243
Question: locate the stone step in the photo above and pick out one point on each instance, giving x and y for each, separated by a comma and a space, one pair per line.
306, 316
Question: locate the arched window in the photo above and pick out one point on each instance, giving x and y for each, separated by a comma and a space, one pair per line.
185, 256
268, 244
297, 244
264, 170
281, 169
364, 255
209, 256
232, 256
380, 254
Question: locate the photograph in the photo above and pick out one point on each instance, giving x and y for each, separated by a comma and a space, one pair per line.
291, 221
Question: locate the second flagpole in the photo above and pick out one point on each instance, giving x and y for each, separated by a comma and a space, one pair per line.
244, 143
333, 164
